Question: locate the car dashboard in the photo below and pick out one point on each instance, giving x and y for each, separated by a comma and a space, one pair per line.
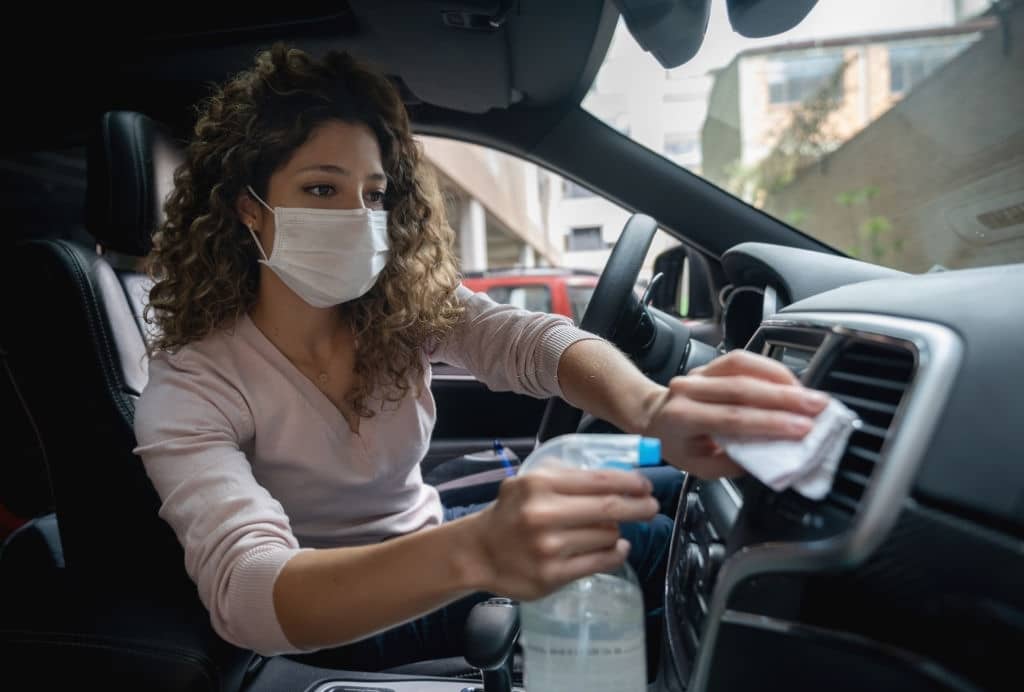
907, 574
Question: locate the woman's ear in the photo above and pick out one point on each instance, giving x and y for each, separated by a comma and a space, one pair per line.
248, 210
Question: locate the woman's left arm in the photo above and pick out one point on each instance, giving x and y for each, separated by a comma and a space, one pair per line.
737, 394
509, 348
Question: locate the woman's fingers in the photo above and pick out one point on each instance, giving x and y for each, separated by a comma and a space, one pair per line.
740, 421
558, 572
570, 542
588, 482
577, 510
749, 391
746, 363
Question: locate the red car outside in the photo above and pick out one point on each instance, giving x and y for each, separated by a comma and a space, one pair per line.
561, 291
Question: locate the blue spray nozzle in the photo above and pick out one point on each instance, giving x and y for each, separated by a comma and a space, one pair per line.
648, 452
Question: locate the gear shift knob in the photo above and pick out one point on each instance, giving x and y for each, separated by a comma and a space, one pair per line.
491, 632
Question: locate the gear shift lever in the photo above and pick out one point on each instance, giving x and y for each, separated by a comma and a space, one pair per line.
491, 632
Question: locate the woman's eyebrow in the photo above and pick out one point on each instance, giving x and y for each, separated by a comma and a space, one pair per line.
339, 170
326, 168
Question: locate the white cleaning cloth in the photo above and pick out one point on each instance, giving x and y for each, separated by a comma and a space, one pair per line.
808, 465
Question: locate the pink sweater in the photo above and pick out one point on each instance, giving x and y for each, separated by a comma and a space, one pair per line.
253, 463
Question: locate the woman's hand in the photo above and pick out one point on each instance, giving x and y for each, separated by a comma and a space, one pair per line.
739, 394
548, 528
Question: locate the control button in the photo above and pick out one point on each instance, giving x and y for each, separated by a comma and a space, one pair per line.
716, 556
692, 562
690, 511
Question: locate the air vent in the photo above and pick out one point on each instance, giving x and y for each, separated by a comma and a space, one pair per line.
872, 380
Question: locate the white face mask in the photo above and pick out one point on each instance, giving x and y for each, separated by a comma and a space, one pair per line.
326, 256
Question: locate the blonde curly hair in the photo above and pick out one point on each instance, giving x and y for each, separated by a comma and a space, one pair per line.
205, 263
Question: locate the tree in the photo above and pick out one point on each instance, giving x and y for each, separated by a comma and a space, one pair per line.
803, 141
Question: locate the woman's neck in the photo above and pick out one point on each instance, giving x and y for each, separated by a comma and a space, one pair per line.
298, 329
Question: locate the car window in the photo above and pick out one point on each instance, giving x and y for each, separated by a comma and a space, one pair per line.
579, 298
536, 298
888, 130
520, 222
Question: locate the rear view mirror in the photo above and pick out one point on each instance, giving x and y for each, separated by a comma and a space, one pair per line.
684, 289
670, 30
760, 18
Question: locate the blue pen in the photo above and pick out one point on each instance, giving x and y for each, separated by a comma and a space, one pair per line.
499, 449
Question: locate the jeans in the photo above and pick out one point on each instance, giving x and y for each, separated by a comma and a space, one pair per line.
440, 634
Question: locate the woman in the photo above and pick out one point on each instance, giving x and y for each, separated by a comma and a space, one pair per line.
305, 279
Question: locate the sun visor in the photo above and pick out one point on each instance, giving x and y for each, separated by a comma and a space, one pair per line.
670, 30
760, 18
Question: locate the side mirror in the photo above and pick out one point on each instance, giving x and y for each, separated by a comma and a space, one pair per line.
685, 288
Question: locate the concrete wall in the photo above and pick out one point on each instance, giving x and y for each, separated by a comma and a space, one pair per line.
947, 163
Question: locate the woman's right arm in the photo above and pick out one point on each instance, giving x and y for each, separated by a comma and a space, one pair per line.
265, 593
544, 531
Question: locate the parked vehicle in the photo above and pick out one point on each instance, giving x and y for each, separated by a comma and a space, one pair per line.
562, 291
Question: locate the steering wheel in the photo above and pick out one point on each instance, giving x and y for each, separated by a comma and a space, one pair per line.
606, 309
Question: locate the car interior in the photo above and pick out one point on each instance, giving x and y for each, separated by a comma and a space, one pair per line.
907, 576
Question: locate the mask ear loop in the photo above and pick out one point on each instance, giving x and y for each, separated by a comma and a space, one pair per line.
257, 240
249, 225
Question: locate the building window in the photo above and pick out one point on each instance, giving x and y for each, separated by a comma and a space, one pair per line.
795, 78
575, 190
681, 143
910, 64
584, 238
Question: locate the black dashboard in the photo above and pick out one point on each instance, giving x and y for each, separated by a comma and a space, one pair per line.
908, 574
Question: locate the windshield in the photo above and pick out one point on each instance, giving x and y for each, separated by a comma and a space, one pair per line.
891, 131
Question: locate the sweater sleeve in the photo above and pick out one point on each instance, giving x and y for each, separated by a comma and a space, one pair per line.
189, 424
508, 348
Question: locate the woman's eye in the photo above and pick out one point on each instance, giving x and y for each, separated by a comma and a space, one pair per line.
320, 190
375, 197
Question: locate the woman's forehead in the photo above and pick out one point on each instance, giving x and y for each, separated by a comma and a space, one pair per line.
350, 146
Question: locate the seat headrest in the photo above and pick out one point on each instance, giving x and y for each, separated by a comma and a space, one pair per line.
131, 164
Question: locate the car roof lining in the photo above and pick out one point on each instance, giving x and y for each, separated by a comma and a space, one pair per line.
545, 53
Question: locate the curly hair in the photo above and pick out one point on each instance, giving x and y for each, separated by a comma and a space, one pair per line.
205, 264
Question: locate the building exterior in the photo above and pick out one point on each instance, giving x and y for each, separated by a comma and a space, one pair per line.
903, 149
756, 96
510, 213
938, 180
499, 206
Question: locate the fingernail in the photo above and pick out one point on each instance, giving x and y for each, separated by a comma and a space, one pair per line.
799, 425
815, 401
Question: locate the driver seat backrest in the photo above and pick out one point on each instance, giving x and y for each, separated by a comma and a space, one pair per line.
76, 346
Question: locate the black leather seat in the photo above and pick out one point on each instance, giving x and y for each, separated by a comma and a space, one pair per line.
121, 612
